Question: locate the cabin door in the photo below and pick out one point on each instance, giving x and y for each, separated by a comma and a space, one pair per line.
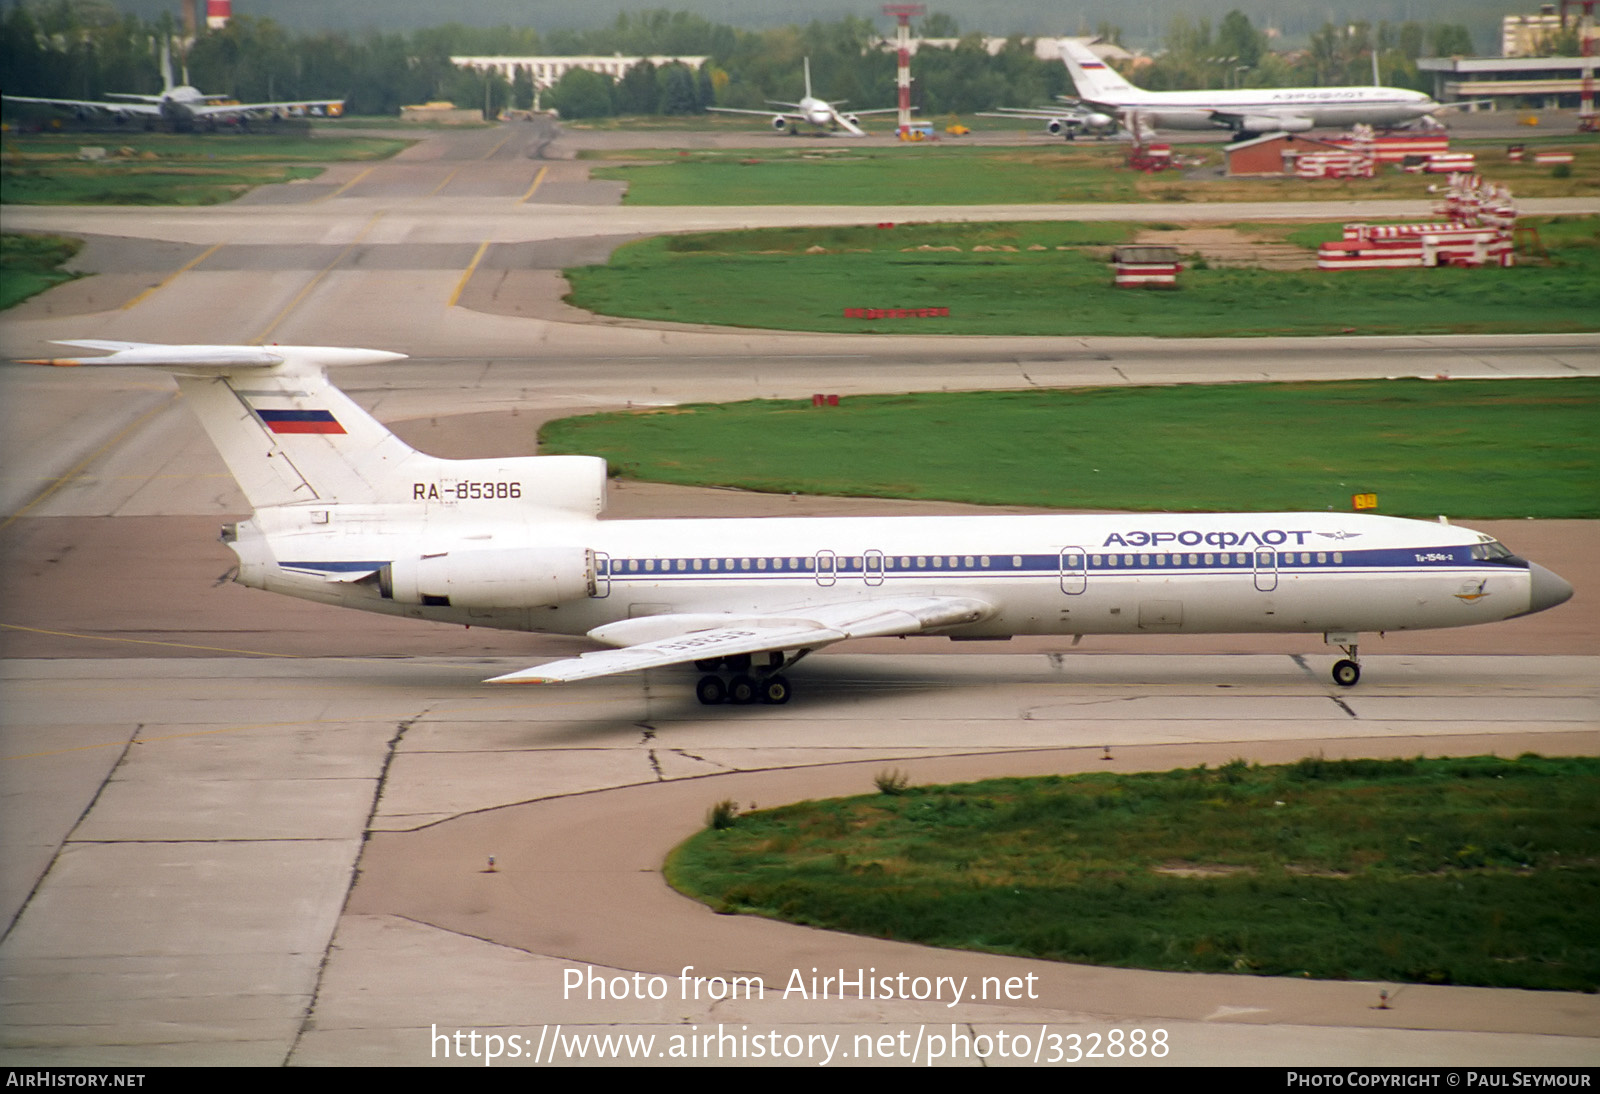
1266, 570
872, 567
827, 567
1074, 570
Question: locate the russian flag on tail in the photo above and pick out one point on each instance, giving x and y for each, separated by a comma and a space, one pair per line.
300, 421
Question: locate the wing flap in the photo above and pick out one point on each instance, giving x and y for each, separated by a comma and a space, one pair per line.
679, 639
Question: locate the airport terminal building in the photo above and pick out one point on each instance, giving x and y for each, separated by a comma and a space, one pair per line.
1509, 83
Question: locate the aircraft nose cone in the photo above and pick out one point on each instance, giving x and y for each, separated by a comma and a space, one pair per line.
1548, 589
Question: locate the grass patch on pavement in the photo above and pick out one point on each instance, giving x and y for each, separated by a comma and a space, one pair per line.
1478, 871
1469, 449
168, 168
30, 264
1054, 278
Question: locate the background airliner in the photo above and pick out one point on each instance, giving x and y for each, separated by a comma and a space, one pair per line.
181, 106
347, 514
1248, 111
810, 110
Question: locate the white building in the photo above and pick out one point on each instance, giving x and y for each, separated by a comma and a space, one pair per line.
547, 71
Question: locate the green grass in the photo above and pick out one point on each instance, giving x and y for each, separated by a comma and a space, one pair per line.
780, 171
30, 264
806, 279
169, 168
1474, 871
1479, 448
833, 173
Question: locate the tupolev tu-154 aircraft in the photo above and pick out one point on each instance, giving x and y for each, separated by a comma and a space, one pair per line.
348, 514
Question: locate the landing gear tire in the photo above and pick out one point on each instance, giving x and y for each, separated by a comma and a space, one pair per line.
1346, 673
711, 691
741, 690
775, 690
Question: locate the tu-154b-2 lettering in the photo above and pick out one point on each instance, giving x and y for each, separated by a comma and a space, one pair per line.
345, 513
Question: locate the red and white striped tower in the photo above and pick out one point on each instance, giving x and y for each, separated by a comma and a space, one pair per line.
218, 12
902, 39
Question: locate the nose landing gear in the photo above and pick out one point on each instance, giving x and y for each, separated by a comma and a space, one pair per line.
1347, 670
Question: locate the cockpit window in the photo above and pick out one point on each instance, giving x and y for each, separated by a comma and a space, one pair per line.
1490, 550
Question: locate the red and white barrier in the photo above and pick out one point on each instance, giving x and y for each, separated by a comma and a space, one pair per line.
1333, 165
1135, 275
1479, 232
1395, 147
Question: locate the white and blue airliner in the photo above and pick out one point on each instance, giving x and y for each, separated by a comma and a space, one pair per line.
346, 513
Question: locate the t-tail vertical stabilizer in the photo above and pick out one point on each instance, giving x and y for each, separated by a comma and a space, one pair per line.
289, 437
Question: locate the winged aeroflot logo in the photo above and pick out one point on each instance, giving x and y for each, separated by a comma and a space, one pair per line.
1472, 592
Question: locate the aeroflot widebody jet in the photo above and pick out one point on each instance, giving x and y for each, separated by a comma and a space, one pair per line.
347, 514
1248, 111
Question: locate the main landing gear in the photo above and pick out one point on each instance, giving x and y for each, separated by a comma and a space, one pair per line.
747, 684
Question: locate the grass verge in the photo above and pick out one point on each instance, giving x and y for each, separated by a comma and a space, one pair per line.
1476, 871
1053, 278
30, 264
1481, 448
169, 168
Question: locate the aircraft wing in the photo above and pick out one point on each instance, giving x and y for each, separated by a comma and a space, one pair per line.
757, 113
321, 108
661, 640
131, 109
1464, 104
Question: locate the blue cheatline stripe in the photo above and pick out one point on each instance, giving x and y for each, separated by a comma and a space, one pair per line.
1098, 562
334, 567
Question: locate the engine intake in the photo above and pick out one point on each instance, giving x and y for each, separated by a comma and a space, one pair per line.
1253, 123
540, 577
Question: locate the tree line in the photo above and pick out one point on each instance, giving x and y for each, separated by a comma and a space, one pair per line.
82, 49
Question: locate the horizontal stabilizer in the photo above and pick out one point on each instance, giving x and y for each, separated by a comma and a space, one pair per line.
214, 358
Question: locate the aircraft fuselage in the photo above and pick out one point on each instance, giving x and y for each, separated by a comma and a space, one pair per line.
1192, 574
